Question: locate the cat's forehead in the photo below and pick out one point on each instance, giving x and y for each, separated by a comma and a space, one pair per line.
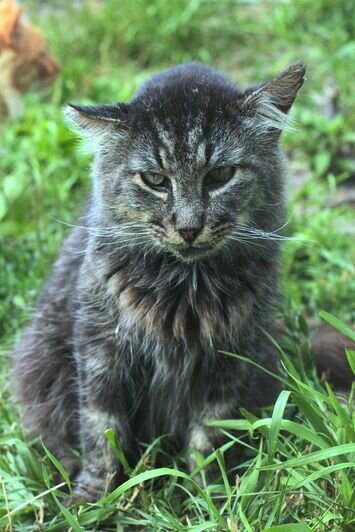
183, 116
187, 147
161, 147
183, 101
188, 130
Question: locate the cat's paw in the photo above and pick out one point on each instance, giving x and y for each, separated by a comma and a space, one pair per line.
82, 494
211, 470
90, 486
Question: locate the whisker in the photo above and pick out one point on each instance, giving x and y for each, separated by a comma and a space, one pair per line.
241, 239
258, 230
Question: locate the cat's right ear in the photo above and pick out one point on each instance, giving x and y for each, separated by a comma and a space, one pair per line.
10, 23
99, 119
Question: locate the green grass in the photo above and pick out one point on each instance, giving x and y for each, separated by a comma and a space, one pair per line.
297, 461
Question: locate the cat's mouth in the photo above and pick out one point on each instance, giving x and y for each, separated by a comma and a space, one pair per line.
187, 251
194, 252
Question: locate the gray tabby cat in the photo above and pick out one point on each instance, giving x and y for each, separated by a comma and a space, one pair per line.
174, 259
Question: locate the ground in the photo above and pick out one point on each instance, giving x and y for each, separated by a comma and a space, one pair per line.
297, 472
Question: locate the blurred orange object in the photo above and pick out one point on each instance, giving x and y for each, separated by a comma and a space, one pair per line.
25, 62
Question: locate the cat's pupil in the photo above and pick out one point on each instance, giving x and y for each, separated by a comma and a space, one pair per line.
220, 175
155, 180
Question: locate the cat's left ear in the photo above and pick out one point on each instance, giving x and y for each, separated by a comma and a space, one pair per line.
99, 119
271, 101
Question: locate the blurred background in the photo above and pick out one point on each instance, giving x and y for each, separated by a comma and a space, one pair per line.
107, 48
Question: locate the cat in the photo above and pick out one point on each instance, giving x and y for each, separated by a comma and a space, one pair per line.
25, 62
174, 259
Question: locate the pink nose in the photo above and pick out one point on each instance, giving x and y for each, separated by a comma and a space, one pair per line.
189, 234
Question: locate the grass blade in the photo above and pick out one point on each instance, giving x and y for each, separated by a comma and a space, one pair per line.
160, 472
115, 445
337, 324
350, 355
275, 425
291, 527
315, 457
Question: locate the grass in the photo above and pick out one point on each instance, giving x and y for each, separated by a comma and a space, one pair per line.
297, 461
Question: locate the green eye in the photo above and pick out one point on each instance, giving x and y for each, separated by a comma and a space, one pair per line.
155, 180
220, 175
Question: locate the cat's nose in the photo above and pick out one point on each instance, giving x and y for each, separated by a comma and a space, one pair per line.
190, 233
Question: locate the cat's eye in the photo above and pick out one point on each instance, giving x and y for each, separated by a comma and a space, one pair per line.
219, 176
155, 180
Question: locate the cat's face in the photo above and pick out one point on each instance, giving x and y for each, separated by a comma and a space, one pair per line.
188, 190
188, 165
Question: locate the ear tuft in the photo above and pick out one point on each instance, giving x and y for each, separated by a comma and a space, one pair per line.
270, 102
98, 118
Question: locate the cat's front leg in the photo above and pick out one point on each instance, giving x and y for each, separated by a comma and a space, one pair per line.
99, 464
205, 439
101, 408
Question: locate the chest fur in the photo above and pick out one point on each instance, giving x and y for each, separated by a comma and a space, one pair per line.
193, 312
156, 337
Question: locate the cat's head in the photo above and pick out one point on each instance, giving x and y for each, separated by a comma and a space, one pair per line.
192, 165
32, 66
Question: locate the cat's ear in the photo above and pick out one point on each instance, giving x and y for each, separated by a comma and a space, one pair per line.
271, 101
99, 119
10, 24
